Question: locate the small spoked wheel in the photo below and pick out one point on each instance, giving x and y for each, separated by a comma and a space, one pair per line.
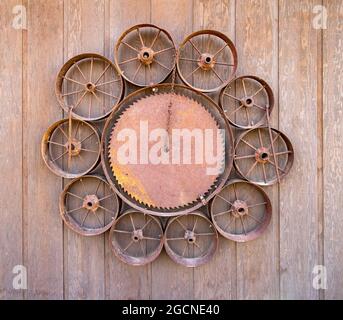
190, 240
241, 211
88, 205
263, 156
145, 55
136, 238
207, 60
71, 148
89, 84
246, 101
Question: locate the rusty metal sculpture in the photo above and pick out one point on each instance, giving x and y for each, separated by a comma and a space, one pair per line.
89, 87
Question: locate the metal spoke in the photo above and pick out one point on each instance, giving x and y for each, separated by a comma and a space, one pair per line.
258, 106
231, 219
175, 239
151, 238
247, 115
79, 101
231, 96
133, 225
192, 72
204, 234
74, 195
274, 140
88, 150
140, 37
122, 231
258, 91
220, 50
276, 166
73, 210
244, 88
106, 197
72, 93
102, 74
146, 224
60, 156
60, 127
97, 187
260, 137
99, 219
217, 75
83, 187
239, 108
218, 195
78, 68
107, 82
181, 224
264, 172
283, 153
85, 217
245, 157
257, 204
154, 40
128, 246
248, 144
105, 209
129, 60
243, 225
234, 191
219, 63
87, 137
254, 218
184, 249
77, 128
196, 245
164, 50
107, 94
251, 168
72, 80
131, 47
91, 70
188, 59
56, 143
195, 223
221, 213
194, 46
162, 65
142, 248
136, 72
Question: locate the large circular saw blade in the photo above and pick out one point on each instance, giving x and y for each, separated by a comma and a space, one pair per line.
153, 125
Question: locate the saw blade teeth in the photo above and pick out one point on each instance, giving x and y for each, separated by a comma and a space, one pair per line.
120, 183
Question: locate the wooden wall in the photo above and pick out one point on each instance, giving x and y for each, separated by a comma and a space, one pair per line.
277, 41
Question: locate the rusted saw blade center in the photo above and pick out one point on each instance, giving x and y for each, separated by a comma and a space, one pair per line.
162, 172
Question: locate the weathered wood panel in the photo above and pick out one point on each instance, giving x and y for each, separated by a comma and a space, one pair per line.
333, 148
11, 149
257, 45
84, 261
298, 119
44, 240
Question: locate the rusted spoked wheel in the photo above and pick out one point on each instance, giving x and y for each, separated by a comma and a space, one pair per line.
91, 85
88, 205
71, 148
190, 240
145, 55
263, 156
245, 101
136, 238
241, 211
207, 60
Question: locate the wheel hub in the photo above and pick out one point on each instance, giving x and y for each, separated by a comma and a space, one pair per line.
137, 235
146, 55
248, 101
90, 87
262, 155
91, 202
240, 208
75, 147
190, 236
206, 61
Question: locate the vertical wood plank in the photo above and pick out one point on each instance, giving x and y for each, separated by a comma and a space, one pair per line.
298, 56
124, 281
44, 226
257, 46
84, 266
333, 148
170, 280
11, 149
216, 279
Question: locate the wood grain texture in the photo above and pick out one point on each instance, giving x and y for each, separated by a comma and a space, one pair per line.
217, 279
333, 148
175, 282
84, 260
11, 150
298, 119
124, 281
44, 226
258, 261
